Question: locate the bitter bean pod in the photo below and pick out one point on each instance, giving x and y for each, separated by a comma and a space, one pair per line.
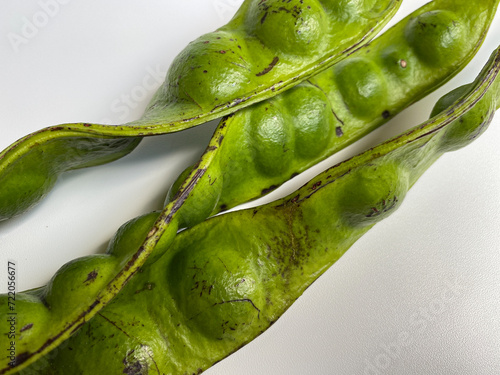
201, 193
239, 64
272, 141
225, 281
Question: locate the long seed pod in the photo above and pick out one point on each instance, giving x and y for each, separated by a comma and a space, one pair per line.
225, 281
199, 195
259, 53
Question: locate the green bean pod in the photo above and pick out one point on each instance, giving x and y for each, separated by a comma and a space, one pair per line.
269, 46
207, 184
273, 141
225, 281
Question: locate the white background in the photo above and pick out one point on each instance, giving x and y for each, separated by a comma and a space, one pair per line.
427, 276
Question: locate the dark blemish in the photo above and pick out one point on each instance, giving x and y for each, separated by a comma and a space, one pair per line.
338, 131
87, 125
316, 185
295, 174
211, 148
238, 101
91, 276
218, 37
26, 327
223, 207
263, 18
133, 368
220, 139
206, 41
402, 63
268, 69
22, 358
222, 51
295, 199
239, 47
211, 182
205, 71
386, 114
55, 128
199, 371
268, 190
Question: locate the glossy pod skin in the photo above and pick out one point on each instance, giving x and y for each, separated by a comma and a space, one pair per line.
206, 185
272, 141
225, 281
220, 72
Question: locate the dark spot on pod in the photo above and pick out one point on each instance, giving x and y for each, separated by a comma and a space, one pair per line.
26, 327
222, 51
206, 41
91, 276
270, 66
316, 185
87, 125
22, 358
263, 18
220, 139
223, 207
386, 114
295, 174
205, 71
133, 368
269, 189
295, 199
338, 131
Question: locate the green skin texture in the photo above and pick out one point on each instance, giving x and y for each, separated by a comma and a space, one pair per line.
272, 141
225, 281
207, 185
266, 48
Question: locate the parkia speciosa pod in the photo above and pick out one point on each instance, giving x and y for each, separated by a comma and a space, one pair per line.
239, 64
195, 203
272, 141
225, 281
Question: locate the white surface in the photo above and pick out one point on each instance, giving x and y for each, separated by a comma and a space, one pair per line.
396, 283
